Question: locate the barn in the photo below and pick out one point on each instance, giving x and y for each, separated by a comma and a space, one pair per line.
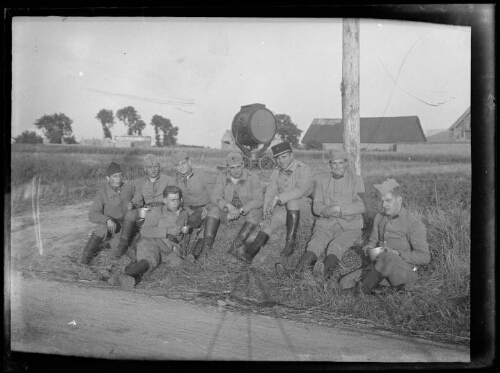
376, 133
460, 131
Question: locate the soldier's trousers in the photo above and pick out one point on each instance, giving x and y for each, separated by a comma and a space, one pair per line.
278, 218
329, 235
155, 253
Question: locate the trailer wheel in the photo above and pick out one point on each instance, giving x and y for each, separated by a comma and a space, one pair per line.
247, 162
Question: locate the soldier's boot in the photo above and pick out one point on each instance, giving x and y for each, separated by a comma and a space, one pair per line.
306, 262
245, 232
131, 275
91, 249
211, 227
371, 280
326, 267
292, 225
125, 236
249, 252
196, 252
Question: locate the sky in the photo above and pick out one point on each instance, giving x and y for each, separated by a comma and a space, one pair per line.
198, 72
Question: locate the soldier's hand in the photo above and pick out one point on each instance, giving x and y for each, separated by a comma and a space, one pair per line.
204, 212
174, 231
264, 224
389, 250
366, 248
111, 226
130, 206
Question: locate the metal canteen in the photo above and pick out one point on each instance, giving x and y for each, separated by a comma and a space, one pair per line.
375, 252
143, 212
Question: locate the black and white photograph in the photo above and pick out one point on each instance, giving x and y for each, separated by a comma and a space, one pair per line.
236, 188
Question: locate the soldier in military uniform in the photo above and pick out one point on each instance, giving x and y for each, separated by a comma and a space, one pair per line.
338, 201
286, 198
109, 213
404, 242
196, 189
149, 193
161, 235
237, 196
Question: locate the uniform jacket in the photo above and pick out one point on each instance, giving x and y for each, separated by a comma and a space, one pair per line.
248, 187
148, 191
108, 203
157, 223
197, 189
344, 193
404, 233
295, 185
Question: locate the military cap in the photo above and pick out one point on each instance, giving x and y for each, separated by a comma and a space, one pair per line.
234, 159
151, 160
113, 168
281, 148
180, 156
386, 186
338, 155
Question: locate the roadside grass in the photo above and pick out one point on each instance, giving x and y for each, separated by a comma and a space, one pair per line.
436, 188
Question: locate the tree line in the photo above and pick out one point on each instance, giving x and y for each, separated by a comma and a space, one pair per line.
58, 128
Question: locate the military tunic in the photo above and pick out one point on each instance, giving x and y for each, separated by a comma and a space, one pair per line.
294, 186
337, 233
156, 243
151, 192
110, 203
246, 193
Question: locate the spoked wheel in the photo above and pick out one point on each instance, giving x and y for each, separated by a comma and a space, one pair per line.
266, 162
247, 162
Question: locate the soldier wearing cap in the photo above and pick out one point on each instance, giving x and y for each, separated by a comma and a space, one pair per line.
403, 238
338, 201
109, 213
161, 236
237, 196
196, 188
285, 199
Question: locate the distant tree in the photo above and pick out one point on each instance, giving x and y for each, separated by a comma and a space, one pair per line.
287, 130
55, 127
313, 145
29, 137
107, 120
132, 120
70, 140
163, 126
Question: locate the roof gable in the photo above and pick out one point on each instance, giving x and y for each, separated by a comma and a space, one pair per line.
462, 122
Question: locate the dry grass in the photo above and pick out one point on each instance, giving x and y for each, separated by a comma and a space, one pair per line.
437, 306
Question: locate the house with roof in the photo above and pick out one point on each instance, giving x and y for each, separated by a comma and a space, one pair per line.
460, 131
376, 133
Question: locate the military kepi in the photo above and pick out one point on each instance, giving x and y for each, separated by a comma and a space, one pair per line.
234, 159
386, 186
179, 157
113, 168
338, 155
281, 148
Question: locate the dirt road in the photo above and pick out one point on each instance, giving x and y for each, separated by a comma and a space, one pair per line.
74, 317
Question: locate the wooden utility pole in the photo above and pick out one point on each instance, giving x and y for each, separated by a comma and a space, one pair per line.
350, 92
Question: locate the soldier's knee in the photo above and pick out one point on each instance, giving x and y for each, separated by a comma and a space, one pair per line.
294, 204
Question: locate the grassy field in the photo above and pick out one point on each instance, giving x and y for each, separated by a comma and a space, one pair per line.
437, 189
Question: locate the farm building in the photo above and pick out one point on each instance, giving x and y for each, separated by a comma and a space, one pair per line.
97, 142
460, 131
438, 135
375, 133
125, 141
227, 142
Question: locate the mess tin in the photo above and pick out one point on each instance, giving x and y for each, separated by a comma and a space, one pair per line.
143, 212
375, 252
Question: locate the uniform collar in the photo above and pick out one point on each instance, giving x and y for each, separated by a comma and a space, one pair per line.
242, 178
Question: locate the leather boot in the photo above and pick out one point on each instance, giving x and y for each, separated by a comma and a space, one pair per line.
292, 225
137, 268
211, 226
91, 249
372, 279
245, 231
248, 252
196, 252
306, 261
326, 267
126, 234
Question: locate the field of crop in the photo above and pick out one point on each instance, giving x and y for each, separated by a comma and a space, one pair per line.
437, 188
